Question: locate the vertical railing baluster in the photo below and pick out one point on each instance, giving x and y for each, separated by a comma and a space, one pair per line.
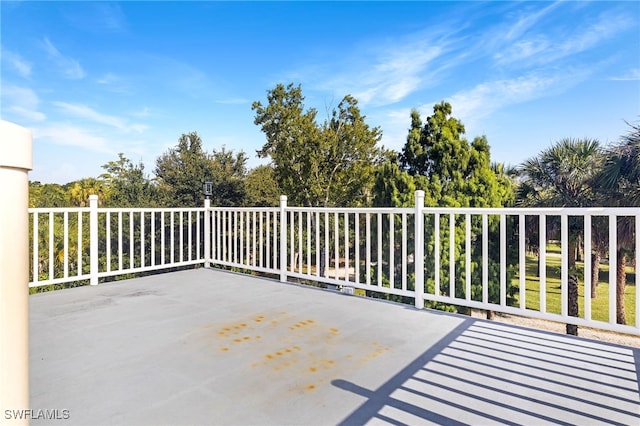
93, 239
368, 247
356, 256
503, 259
317, 242
51, 249
542, 257
107, 232
522, 261
485, 258
452, 255
379, 248
436, 253
274, 257
336, 244
181, 236
131, 252
242, 235
392, 247
142, 240
346, 248
172, 237
292, 242
467, 257
419, 248
587, 267
404, 251
163, 259
326, 243
190, 235
300, 252
36, 248
283, 238
635, 267
66, 243
613, 267
564, 264
153, 238
79, 246
258, 251
120, 248
308, 214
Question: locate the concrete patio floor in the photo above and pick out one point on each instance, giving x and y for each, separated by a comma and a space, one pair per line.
208, 347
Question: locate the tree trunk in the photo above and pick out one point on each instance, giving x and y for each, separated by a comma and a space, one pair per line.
621, 281
572, 303
595, 273
572, 253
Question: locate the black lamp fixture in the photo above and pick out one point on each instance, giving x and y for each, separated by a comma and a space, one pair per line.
207, 188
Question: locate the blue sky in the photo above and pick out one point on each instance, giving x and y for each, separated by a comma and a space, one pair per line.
95, 79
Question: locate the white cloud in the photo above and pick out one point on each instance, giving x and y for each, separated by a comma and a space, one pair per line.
488, 97
527, 21
27, 114
83, 111
631, 75
16, 62
108, 78
535, 48
66, 134
22, 101
387, 73
69, 67
232, 101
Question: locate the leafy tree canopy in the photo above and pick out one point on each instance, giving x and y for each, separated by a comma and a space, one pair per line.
318, 165
182, 171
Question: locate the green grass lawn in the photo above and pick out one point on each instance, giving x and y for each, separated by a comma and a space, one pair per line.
599, 305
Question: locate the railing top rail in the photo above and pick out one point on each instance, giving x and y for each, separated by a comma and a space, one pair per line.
150, 209
244, 209
114, 209
551, 211
58, 209
352, 209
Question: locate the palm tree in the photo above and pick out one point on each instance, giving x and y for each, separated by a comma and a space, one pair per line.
561, 176
619, 182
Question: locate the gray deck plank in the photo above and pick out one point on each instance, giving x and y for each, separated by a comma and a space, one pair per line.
210, 347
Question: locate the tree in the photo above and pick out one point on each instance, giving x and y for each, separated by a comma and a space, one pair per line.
182, 171
228, 173
261, 188
47, 195
318, 165
453, 173
78, 192
127, 184
619, 181
562, 176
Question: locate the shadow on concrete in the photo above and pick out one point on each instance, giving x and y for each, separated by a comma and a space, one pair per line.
483, 372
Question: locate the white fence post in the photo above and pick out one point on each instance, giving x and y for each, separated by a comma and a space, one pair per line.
93, 239
15, 162
207, 233
283, 238
418, 256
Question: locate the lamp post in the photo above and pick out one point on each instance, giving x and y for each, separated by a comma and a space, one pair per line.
207, 189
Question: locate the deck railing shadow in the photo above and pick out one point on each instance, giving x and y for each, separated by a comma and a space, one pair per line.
473, 376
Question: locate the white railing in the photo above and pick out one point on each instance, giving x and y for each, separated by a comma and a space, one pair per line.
77, 244
491, 259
